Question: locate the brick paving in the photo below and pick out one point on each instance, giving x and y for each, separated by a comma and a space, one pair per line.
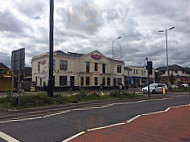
171, 126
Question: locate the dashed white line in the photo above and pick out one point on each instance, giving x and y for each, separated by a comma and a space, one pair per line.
7, 137
46, 116
79, 134
130, 120
167, 109
108, 126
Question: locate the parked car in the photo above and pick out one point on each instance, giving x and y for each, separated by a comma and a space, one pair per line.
184, 85
159, 88
173, 86
155, 88
151, 87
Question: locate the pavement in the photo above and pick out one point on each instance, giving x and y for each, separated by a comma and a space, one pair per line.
171, 125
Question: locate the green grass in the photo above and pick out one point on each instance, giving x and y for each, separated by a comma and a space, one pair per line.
42, 99
181, 89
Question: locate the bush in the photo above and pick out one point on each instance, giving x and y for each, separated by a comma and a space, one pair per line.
115, 93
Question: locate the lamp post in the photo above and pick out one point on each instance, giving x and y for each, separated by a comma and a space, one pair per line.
113, 58
51, 22
166, 34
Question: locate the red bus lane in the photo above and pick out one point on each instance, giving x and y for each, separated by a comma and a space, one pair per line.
170, 126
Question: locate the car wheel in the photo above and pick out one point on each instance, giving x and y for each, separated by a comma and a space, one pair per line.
153, 92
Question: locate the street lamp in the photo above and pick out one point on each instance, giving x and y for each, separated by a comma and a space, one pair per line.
113, 59
113, 46
166, 34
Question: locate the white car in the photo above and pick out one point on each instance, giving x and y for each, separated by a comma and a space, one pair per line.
184, 85
155, 88
151, 88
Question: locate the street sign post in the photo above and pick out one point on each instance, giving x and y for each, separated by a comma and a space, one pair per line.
17, 65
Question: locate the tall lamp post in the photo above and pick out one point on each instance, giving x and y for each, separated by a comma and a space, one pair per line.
51, 22
113, 58
166, 34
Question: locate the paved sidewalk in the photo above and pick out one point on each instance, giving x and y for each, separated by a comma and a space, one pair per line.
171, 126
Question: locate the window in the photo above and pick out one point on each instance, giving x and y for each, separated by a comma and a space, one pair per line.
103, 68
63, 64
87, 66
38, 66
53, 64
175, 71
103, 81
82, 81
183, 72
63, 80
108, 81
95, 80
142, 73
118, 68
87, 81
136, 71
96, 67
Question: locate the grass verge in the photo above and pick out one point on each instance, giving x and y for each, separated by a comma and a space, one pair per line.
43, 99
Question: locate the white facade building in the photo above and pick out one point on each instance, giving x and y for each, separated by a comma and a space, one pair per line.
78, 70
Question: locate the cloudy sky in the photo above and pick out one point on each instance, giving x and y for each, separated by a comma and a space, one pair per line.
85, 25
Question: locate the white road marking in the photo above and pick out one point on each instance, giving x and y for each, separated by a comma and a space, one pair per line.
167, 109
18, 120
79, 134
46, 116
7, 137
108, 126
130, 120
151, 113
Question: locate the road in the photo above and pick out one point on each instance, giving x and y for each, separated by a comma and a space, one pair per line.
59, 127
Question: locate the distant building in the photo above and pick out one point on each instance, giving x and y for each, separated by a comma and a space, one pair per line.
180, 74
137, 76
5, 78
92, 70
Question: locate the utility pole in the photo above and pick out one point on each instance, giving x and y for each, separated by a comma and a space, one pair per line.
51, 22
148, 78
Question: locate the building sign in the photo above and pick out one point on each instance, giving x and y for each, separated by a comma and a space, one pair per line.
43, 61
96, 57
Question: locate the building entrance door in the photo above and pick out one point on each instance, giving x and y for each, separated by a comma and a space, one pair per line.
72, 81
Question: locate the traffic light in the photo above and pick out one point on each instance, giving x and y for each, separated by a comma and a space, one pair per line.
149, 67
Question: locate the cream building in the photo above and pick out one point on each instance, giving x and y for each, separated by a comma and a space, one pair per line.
78, 70
137, 76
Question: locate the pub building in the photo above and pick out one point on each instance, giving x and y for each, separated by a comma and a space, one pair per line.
73, 70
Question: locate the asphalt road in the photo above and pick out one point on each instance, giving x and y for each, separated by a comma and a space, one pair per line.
59, 127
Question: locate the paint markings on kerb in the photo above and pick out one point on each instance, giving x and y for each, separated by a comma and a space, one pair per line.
108, 126
130, 120
7, 137
79, 134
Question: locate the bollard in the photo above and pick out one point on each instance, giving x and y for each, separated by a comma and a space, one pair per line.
164, 91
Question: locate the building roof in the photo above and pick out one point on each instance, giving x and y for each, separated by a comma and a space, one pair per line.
3, 65
174, 68
127, 68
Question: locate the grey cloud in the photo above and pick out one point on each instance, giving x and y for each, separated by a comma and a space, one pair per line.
9, 22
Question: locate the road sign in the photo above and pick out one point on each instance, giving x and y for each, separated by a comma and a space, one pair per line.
18, 60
